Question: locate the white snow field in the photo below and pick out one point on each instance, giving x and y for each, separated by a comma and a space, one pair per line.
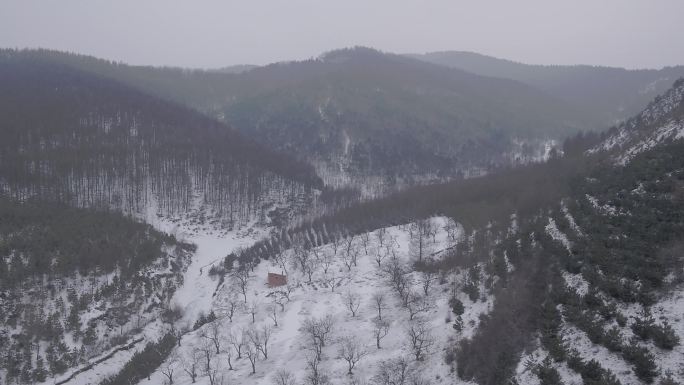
287, 347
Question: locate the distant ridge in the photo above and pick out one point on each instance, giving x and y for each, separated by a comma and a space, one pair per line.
612, 94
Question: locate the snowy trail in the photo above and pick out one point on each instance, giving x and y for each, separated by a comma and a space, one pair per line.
195, 296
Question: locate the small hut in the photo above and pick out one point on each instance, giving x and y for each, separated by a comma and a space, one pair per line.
275, 280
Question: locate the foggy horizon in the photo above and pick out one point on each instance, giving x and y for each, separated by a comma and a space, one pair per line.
628, 34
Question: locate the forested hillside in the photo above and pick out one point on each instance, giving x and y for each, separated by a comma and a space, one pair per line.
359, 113
661, 122
73, 137
609, 94
76, 283
578, 262
81, 156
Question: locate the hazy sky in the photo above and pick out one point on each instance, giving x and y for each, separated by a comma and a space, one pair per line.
216, 33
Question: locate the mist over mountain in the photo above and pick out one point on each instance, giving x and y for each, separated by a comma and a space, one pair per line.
74, 137
607, 94
359, 112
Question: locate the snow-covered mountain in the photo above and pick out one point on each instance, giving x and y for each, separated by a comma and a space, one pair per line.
137, 239
662, 121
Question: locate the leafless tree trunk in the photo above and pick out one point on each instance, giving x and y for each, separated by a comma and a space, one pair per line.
451, 228
314, 375
241, 277
213, 372
351, 350
237, 340
318, 332
273, 314
365, 241
427, 278
379, 303
281, 260
379, 257
416, 305
380, 330
352, 301
212, 332
207, 351
260, 338
381, 235
169, 367
231, 306
420, 338
326, 261
392, 372
252, 355
252, 309
191, 363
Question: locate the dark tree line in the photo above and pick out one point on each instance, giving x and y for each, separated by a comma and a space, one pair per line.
72, 137
472, 202
144, 362
38, 238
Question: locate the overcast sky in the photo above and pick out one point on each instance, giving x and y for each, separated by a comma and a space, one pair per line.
216, 33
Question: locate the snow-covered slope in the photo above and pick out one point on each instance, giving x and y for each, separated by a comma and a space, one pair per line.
661, 121
283, 311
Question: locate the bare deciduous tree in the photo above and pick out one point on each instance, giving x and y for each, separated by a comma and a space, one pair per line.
420, 232
213, 372
253, 309
190, 362
347, 261
399, 278
229, 359
212, 332
314, 374
352, 351
451, 228
380, 330
380, 256
273, 313
318, 332
206, 349
284, 377
280, 259
169, 367
420, 338
252, 355
330, 280
352, 301
241, 277
301, 255
309, 268
230, 306
392, 372
259, 339
416, 305
335, 243
349, 243
237, 340
365, 241
327, 260
379, 303
381, 236
427, 279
